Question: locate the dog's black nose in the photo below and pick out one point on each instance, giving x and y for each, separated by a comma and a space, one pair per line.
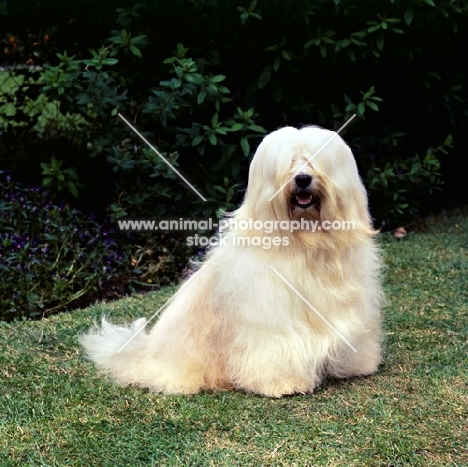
303, 180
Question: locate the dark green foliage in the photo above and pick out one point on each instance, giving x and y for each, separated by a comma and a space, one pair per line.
50, 255
189, 73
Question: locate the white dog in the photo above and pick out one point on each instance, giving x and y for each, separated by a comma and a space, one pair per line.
269, 320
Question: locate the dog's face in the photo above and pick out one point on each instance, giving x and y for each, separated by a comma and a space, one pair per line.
305, 190
309, 173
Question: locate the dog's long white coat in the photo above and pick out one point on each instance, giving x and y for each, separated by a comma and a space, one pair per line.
237, 324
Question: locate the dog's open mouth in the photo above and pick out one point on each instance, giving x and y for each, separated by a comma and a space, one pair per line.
304, 199
302, 194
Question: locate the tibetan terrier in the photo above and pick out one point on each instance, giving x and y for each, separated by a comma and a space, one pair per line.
271, 320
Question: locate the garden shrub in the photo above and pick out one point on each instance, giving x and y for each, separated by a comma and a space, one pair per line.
189, 74
51, 255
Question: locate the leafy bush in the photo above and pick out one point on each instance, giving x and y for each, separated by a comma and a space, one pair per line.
75, 101
50, 255
401, 177
203, 79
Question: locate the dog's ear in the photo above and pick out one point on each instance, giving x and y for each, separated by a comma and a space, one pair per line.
346, 196
350, 192
352, 204
273, 157
271, 161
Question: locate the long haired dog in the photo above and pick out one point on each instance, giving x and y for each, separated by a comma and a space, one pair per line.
274, 312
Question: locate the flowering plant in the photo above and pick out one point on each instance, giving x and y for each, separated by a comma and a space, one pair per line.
50, 255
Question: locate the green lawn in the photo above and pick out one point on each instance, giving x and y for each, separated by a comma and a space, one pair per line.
56, 411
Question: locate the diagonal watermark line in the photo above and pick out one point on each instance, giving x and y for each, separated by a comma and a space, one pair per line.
156, 314
313, 309
162, 157
311, 158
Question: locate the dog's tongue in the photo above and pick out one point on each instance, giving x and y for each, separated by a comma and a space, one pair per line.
304, 199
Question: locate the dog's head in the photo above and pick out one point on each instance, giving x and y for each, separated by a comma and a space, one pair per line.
309, 173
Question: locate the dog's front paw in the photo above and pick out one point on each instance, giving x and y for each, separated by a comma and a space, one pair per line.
281, 388
356, 368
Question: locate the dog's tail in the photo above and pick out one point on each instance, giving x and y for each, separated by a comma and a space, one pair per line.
103, 345
158, 360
